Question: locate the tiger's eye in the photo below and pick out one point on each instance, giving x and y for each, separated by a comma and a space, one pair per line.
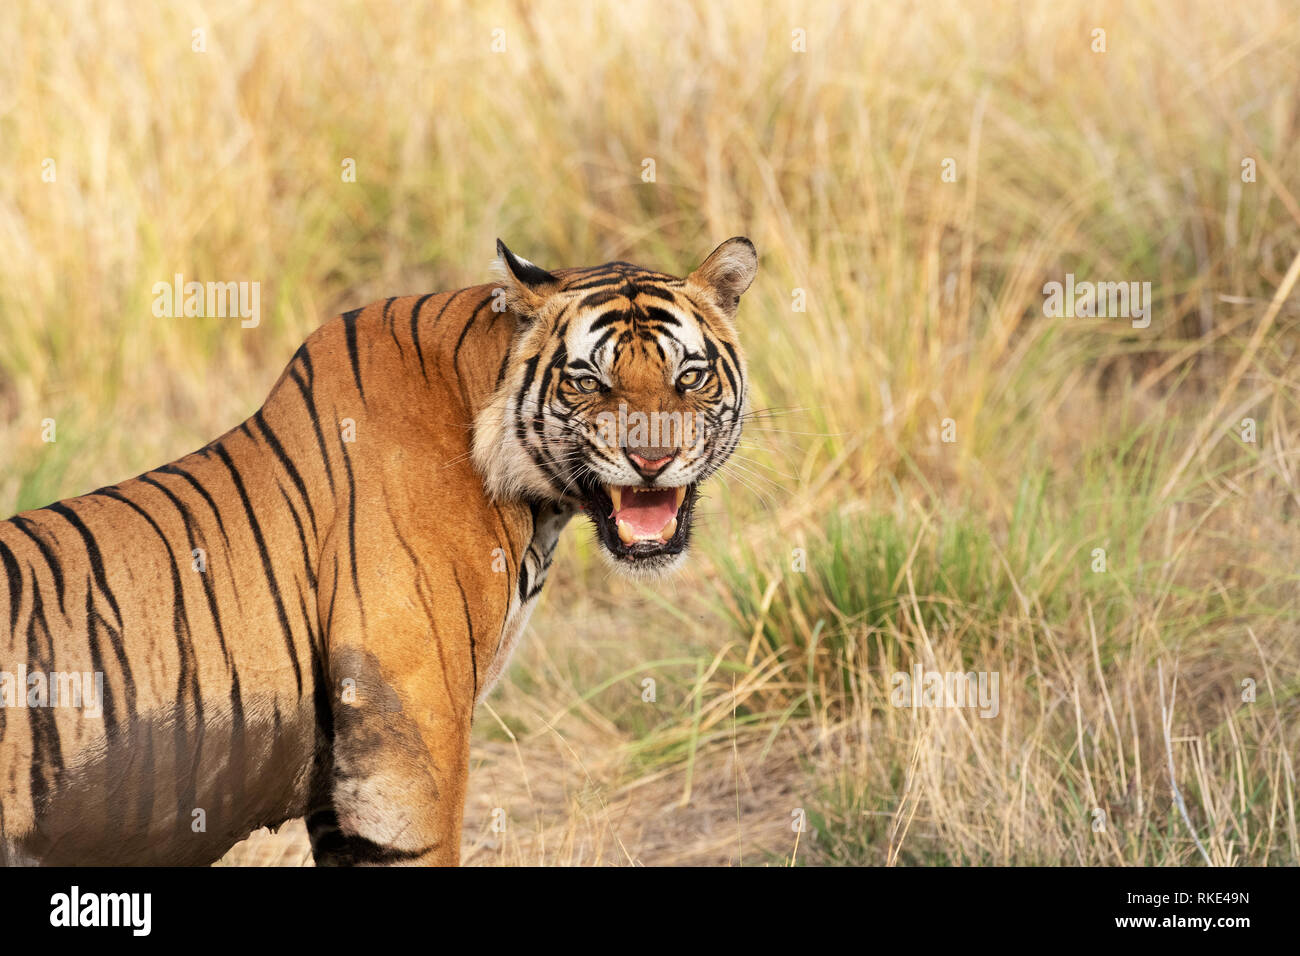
691, 379
588, 383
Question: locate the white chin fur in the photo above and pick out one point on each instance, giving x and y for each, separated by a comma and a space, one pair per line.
643, 570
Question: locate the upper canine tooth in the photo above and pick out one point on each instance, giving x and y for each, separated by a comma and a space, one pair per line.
681, 494
625, 533
616, 496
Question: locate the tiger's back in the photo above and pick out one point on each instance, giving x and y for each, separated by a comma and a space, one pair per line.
179, 715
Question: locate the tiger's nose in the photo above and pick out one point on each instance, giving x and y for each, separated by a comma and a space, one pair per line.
650, 461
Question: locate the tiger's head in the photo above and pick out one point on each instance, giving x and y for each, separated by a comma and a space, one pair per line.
624, 389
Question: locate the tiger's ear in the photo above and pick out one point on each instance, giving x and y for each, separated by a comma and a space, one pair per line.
525, 286
727, 273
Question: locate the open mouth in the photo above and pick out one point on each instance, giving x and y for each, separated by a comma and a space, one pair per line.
636, 523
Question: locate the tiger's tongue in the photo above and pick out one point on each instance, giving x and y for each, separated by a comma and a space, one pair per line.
646, 512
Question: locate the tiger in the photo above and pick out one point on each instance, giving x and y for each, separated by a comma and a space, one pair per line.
298, 619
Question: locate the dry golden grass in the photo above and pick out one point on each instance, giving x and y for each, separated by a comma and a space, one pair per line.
924, 303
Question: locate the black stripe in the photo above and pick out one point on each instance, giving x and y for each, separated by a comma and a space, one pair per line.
27, 527
392, 326
302, 538
521, 431
289, 466
228, 551
612, 278
97, 662
237, 766
187, 518
663, 316
187, 682
304, 355
93, 552
14, 575
323, 711
422, 590
650, 292
267, 570
180, 472
119, 649
415, 331
350, 331
334, 592
305, 389
352, 533
469, 625
46, 749
455, 355
523, 579
717, 359
735, 359
558, 358
600, 342
599, 298
329, 844
530, 370
609, 318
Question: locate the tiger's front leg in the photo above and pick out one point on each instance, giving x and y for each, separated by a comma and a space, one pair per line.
392, 791
402, 679
396, 780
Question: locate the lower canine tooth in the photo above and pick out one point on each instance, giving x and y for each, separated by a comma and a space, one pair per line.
668, 530
625, 532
